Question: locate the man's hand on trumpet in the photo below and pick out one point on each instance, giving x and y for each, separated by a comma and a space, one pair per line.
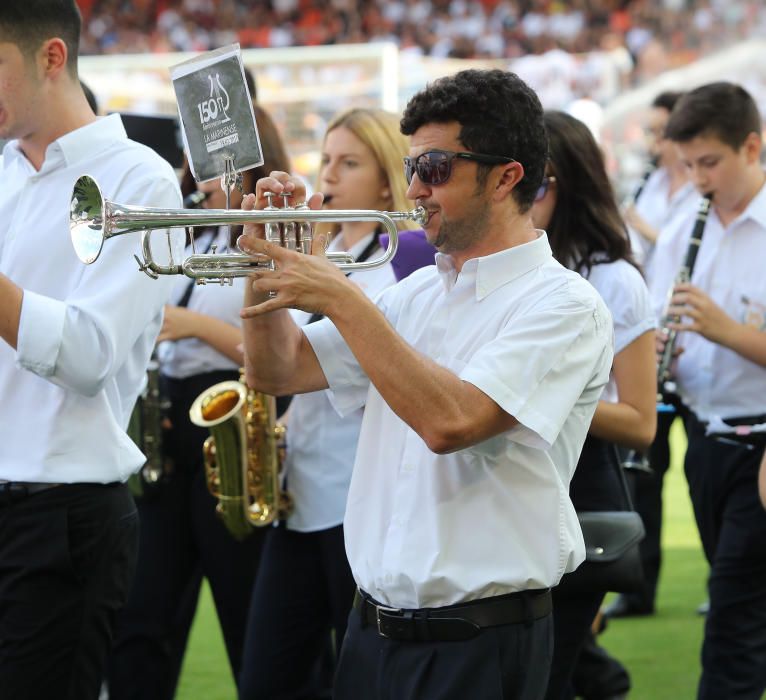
307, 282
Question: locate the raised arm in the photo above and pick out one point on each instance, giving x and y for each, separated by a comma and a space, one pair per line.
447, 412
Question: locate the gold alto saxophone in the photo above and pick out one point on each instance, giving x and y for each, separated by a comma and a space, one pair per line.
243, 455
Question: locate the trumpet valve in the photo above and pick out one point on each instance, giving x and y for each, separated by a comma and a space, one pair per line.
274, 232
304, 234
290, 227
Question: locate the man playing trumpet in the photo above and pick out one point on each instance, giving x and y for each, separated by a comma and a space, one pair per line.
480, 377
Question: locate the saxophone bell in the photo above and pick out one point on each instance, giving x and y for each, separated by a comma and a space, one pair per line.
243, 455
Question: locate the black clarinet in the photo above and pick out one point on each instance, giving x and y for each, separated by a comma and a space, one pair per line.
633, 459
664, 382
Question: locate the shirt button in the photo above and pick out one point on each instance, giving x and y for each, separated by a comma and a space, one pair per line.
407, 468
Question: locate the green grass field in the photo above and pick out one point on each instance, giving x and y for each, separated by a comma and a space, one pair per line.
661, 652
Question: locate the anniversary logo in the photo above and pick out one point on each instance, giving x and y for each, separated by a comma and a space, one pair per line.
216, 113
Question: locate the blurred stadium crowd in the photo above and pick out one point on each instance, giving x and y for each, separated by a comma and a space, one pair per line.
655, 33
567, 50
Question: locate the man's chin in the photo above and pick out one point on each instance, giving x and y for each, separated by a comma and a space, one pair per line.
432, 236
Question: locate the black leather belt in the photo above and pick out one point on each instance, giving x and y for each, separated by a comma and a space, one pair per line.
14, 491
453, 623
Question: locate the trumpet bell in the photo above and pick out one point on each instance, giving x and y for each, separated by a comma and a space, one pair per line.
86, 219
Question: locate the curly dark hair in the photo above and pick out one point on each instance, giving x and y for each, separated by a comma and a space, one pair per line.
28, 23
723, 110
586, 220
498, 113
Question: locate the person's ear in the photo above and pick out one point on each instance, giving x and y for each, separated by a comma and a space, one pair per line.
510, 174
753, 145
52, 57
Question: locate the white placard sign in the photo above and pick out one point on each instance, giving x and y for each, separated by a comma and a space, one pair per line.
216, 113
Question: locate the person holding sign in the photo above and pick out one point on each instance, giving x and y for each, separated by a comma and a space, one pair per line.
181, 538
74, 346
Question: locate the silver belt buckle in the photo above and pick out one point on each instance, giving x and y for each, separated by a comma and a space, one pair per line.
378, 608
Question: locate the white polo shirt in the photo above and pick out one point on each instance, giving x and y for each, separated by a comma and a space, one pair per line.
424, 529
86, 332
713, 380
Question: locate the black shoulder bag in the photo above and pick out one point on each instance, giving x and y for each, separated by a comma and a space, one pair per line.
612, 557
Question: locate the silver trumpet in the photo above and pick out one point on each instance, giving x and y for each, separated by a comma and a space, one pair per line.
94, 219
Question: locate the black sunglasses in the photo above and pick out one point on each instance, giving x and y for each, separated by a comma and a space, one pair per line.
435, 167
544, 186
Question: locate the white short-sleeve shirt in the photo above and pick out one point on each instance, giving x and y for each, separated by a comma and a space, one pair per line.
424, 529
627, 297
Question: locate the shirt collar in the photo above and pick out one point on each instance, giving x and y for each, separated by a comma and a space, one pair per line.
78, 145
492, 271
756, 210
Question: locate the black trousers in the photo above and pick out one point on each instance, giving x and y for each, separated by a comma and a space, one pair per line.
598, 675
572, 617
723, 483
304, 590
181, 541
647, 498
67, 556
508, 662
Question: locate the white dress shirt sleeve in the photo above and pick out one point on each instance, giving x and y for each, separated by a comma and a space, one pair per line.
626, 296
81, 341
346, 379
539, 365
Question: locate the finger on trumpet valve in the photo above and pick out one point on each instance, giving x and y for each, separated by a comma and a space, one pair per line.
290, 232
303, 234
273, 230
